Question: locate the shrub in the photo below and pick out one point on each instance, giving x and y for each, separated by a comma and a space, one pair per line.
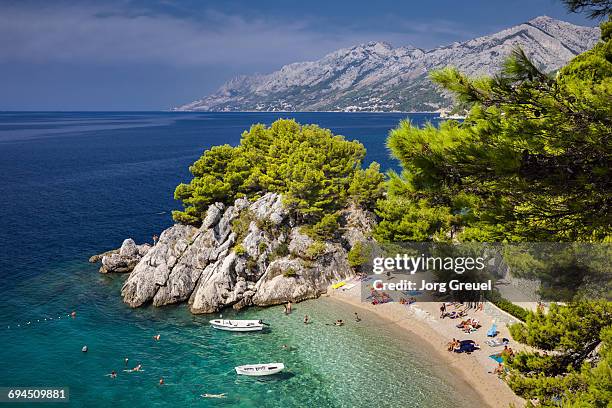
280, 251
290, 273
239, 250
359, 255
315, 250
507, 306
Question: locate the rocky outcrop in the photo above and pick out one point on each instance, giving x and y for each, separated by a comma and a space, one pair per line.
121, 260
249, 253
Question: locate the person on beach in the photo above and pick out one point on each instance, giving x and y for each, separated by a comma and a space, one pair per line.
499, 369
156, 337
357, 318
306, 319
443, 311
155, 238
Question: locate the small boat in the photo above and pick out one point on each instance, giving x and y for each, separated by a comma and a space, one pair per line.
237, 325
260, 369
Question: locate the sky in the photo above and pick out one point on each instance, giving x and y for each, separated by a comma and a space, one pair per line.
156, 54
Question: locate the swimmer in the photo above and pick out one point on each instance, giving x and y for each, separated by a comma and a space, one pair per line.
156, 337
113, 374
306, 319
137, 368
126, 361
73, 314
161, 381
357, 318
339, 322
84, 349
213, 395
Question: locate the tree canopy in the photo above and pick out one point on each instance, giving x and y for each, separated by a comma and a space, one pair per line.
317, 173
574, 365
531, 161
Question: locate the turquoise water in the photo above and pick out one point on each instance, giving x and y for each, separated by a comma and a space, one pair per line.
74, 184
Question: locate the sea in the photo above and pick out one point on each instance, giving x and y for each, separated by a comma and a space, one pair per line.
76, 184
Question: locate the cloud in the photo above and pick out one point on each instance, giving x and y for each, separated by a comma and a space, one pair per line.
98, 34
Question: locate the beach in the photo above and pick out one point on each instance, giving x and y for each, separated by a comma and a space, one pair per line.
422, 319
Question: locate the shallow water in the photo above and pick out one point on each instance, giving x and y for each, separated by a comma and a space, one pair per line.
75, 184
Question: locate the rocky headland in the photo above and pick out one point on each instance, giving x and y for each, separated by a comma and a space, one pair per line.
249, 253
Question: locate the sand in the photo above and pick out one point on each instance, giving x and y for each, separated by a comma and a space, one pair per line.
422, 319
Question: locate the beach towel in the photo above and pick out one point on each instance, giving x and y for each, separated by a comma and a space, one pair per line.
497, 342
492, 331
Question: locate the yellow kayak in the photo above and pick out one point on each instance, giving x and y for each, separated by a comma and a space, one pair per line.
338, 285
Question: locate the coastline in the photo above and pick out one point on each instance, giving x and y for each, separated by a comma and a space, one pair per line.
420, 319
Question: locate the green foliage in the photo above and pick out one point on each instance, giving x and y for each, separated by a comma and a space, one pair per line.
240, 224
367, 186
310, 166
262, 247
595, 8
239, 250
315, 250
507, 306
530, 162
569, 335
290, 273
280, 251
359, 255
326, 228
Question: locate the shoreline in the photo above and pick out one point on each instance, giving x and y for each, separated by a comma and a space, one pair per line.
417, 319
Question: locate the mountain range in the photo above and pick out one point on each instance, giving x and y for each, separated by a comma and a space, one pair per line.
377, 77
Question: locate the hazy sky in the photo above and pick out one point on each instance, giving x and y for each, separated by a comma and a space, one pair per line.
152, 55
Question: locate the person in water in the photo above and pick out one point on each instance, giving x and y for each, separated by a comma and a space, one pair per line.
357, 318
339, 322
126, 361
213, 395
157, 337
289, 307
161, 381
306, 319
73, 314
84, 349
113, 374
137, 368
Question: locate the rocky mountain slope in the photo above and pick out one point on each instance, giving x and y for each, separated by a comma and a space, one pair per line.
377, 77
250, 253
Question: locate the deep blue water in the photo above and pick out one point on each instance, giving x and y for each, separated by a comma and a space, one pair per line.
76, 184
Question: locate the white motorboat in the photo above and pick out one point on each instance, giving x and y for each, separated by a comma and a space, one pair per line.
260, 369
237, 325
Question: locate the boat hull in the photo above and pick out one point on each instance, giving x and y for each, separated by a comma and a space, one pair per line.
237, 325
258, 370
